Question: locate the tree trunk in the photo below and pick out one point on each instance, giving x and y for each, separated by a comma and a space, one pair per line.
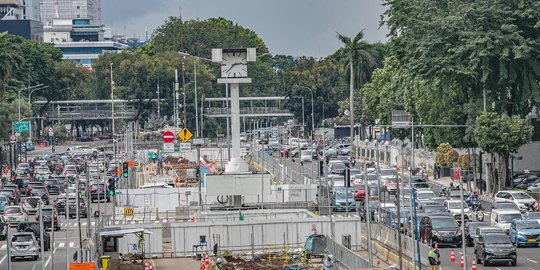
351, 98
499, 168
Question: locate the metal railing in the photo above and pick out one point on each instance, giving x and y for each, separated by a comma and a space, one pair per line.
282, 174
346, 256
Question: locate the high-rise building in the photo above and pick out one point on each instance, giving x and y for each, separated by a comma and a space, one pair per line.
21, 17
71, 9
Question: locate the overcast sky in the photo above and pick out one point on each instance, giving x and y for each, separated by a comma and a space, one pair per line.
291, 27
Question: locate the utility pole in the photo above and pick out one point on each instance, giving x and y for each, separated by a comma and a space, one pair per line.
228, 129
368, 219
77, 208
114, 139
158, 107
196, 99
67, 230
303, 120
41, 230
176, 98
184, 89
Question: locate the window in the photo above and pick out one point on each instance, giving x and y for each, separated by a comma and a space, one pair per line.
78, 7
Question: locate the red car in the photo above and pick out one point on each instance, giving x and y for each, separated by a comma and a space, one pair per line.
285, 152
359, 192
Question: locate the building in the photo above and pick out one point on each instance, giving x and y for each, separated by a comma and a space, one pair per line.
85, 52
70, 9
67, 30
21, 17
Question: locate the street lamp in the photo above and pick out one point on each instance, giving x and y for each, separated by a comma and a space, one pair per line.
303, 120
19, 96
312, 112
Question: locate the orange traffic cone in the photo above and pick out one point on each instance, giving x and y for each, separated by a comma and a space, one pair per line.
206, 259
146, 267
452, 256
425, 240
461, 262
473, 267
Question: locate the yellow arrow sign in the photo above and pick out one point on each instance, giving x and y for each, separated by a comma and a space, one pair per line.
185, 134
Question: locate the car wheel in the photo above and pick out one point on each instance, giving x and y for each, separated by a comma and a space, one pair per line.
514, 263
485, 262
12, 258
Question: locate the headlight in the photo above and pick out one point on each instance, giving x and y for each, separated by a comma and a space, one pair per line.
436, 233
521, 234
458, 233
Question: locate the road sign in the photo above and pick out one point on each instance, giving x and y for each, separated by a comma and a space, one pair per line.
198, 141
185, 146
168, 147
22, 126
51, 133
50, 129
12, 137
168, 137
82, 266
188, 193
185, 135
131, 163
128, 212
457, 175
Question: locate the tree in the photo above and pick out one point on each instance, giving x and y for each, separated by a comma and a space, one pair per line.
500, 135
358, 55
11, 60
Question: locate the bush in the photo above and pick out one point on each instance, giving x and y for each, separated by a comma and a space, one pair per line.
452, 157
464, 161
440, 155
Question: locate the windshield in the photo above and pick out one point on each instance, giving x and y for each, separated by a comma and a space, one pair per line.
22, 238
338, 166
426, 195
455, 193
474, 226
506, 206
51, 182
306, 152
434, 208
533, 224
421, 185
371, 177
342, 194
388, 172
12, 210
497, 239
507, 218
521, 195
443, 222
456, 205
533, 215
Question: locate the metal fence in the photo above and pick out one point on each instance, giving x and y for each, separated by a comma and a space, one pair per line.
282, 174
346, 256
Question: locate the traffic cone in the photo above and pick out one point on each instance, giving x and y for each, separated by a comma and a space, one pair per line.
473, 267
425, 240
206, 259
452, 256
461, 262
146, 267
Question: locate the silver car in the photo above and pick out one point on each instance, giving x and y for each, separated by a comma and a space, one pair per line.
24, 244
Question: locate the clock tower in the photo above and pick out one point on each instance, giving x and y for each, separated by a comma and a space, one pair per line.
234, 72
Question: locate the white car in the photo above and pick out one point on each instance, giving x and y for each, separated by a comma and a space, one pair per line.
454, 207
523, 200
31, 204
425, 195
306, 155
82, 150
15, 214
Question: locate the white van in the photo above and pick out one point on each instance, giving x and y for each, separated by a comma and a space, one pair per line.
503, 218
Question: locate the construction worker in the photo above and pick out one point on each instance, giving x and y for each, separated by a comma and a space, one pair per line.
218, 264
434, 257
327, 264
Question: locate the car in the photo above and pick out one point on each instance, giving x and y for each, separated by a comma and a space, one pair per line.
42, 172
31, 204
391, 184
440, 228
523, 200
50, 218
73, 208
483, 230
4, 202
343, 199
470, 231
433, 209
98, 192
15, 188
34, 227
306, 155
525, 232
455, 194
495, 247
503, 218
29, 146
11, 195
42, 192
3, 228
387, 173
22, 183
535, 187
532, 215
424, 195
455, 206
345, 160
359, 192
421, 186
504, 205
337, 168
52, 186
526, 182
24, 244
14, 215
31, 185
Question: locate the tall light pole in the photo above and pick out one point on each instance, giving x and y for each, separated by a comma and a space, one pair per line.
112, 133
19, 96
312, 112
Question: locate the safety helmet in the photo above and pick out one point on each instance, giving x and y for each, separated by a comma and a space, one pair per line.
218, 260
330, 257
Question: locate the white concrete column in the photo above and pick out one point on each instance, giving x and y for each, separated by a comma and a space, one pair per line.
235, 120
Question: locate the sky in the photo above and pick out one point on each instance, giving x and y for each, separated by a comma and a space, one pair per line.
289, 27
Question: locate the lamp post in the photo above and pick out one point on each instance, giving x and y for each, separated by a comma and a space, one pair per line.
312, 112
303, 122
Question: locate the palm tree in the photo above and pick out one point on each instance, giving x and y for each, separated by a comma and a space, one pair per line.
360, 57
11, 61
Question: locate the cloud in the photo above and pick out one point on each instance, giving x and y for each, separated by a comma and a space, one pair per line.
292, 27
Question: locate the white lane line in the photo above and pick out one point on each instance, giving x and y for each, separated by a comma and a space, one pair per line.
71, 244
50, 256
84, 223
3, 259
531, 260
3, 247
61, 245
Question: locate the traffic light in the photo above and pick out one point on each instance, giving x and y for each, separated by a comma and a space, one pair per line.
125, 169
112, 187
347, 177
321, 167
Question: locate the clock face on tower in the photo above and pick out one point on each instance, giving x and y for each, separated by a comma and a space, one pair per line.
234, 64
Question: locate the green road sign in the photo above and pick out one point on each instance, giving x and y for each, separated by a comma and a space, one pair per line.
22, 126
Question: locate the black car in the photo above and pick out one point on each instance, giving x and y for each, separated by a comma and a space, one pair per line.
526, 182
34, 228
52, 186
99, 192
47, 214
15, 188
73, 208
470, 231
60, 204
440, 228
495, 247
337, 168
22, 182
42, 192
31, 185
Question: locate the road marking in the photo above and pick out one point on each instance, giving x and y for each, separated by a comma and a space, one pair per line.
3, 247
50, 256
71, 244
84, 223
61, 245
3, 259
531, 260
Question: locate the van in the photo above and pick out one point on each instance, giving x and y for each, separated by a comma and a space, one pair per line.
503, 218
